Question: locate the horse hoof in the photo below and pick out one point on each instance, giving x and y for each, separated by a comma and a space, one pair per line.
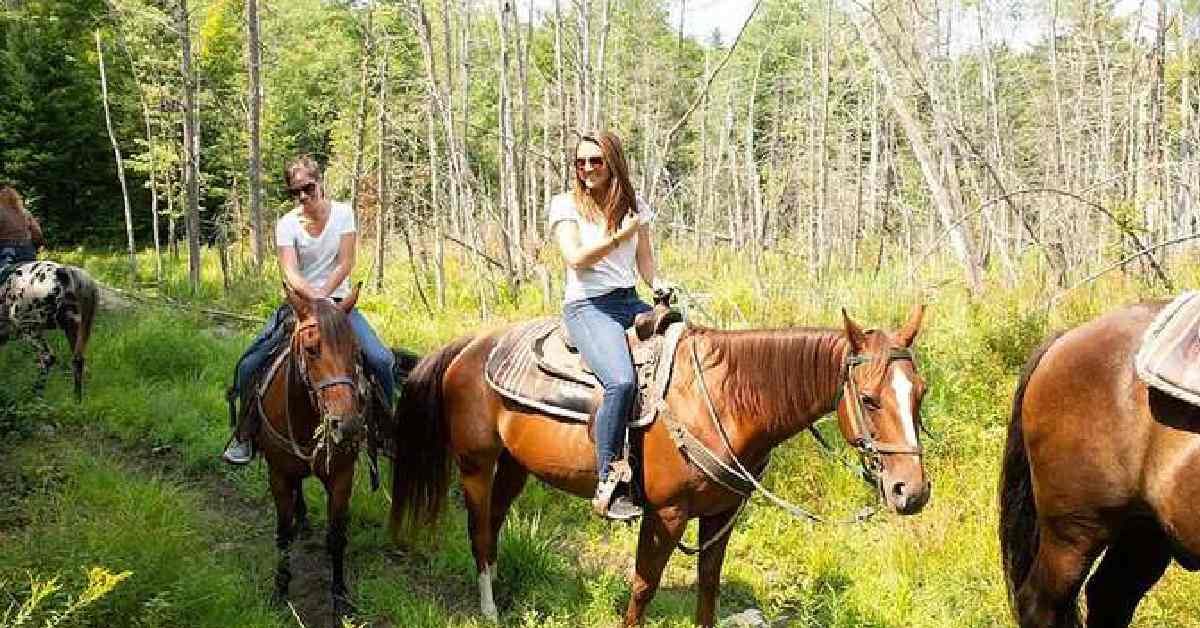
342, 606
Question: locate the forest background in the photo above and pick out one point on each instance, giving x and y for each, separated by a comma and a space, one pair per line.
1021, 165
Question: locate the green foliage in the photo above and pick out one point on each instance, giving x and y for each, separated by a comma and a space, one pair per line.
37, 610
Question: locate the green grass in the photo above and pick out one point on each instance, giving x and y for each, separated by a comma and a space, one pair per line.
156, 380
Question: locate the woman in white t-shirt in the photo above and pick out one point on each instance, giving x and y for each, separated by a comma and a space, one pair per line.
317, 245
603, 231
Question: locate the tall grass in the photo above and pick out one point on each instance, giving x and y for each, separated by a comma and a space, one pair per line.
157, 374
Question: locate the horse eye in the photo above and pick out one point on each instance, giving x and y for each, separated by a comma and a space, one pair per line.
870, 403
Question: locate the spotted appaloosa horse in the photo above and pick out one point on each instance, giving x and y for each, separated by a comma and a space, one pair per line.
46, 295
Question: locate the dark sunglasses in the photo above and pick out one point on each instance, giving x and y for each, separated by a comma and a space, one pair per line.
309, 188
597, 162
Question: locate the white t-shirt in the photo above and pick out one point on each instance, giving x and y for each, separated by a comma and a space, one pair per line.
618, 269
317, 256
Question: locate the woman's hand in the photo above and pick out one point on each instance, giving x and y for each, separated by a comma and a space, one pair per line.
630, 226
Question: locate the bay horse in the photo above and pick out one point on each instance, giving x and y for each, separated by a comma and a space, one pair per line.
766, 386
1096, 462
310, 407
42, 295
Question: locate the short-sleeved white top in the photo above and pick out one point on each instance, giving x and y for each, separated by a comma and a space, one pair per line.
616, 270
317, 255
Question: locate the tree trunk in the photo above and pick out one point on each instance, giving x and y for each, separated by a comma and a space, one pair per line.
112, 136
385, 201
191, 149
254, 174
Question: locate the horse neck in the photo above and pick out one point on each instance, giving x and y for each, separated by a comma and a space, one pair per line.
777, 383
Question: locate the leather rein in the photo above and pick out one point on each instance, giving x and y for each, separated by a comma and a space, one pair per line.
870, 450
326, 436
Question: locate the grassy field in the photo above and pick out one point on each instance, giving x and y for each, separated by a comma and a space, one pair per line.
129, 481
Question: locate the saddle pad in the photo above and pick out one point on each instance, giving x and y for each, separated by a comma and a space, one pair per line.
1169, 358
533, 365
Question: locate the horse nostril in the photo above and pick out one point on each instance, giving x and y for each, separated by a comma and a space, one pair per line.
898, 489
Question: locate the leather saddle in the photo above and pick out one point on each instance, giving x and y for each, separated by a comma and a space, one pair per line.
1169, 358
537, 365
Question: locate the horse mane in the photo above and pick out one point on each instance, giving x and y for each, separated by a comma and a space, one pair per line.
777, 374
334, 326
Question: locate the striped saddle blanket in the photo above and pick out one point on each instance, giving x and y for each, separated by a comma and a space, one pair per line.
1169, 358
536, 365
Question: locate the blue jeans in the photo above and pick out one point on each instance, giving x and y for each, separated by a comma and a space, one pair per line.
597, 326
377, 357
14, 253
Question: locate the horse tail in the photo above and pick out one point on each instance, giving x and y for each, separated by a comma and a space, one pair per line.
76, 316
421, 466
1018, 511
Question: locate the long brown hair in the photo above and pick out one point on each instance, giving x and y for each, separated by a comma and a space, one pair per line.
619, 200
11, 199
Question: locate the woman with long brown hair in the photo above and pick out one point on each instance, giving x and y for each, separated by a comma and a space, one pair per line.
603, 230
20, 233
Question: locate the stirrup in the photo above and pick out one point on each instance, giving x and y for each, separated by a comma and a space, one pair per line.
619, 472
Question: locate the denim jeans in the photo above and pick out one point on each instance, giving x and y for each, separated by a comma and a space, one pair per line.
597, 326
12, 253
377, 358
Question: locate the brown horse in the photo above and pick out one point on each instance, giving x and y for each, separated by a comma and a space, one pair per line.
1095, 462
311, 406
765, 386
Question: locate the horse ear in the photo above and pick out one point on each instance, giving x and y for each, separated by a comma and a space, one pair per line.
854, 333
913, 326
299, 304
347, 304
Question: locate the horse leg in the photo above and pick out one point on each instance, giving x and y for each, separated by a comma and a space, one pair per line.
71, 328
339, 487
1132, 564
45, 360
1047, 599
508, 483
477, 480
711, 558
660, 532
303, 527
283, 488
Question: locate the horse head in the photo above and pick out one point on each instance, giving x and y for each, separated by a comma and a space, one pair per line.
328, 358
879, 411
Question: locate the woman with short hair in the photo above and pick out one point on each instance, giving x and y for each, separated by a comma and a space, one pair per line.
317, 244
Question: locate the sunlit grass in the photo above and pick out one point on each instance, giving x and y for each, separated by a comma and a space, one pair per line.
157, 376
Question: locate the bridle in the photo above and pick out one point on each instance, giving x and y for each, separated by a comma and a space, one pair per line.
328, 433
870, 450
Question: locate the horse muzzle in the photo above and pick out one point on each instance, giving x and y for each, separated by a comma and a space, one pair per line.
906, 498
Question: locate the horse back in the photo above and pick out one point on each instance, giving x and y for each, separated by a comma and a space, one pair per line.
1100, 442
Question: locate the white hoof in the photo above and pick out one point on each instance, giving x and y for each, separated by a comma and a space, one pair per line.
486, 603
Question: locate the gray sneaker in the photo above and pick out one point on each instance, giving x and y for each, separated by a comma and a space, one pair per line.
622, 508
238, 452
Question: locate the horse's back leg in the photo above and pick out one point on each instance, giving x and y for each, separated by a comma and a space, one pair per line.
507, 485
1132, 564
77, 340
339, 487
478, 474
709, 567
303, 527
660, 532
283, 489
45, 360
1047, 599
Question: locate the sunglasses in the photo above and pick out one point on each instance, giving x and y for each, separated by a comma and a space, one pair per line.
596, 162
309, 188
